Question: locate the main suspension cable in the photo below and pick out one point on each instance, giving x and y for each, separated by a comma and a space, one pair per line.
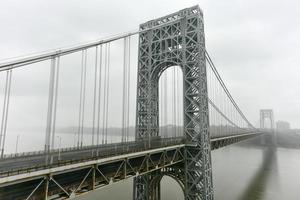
211, 64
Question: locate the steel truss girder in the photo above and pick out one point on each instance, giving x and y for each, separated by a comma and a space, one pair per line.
217, 143
180, 42
70, 183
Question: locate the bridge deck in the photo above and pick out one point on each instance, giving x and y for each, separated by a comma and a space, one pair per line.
24, 163
81, 170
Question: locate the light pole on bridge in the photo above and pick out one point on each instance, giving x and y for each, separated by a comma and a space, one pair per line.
17, 143
59, 147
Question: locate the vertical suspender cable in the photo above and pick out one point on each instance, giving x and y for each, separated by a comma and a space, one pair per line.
213, 99
6, 116
222, 109
160, 107
219, 106
83, 97
124, 90
178, 103
214, 113
174, 102
211, 117
166, 104
56, 81
104, 95
80, 99
107, 97
230, 117
50, 106
99, 96
217, 115
50, 109
210, 97
5, 110
95, 94
128, 89
227, 114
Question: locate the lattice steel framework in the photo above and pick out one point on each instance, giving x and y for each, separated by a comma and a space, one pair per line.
176, 40
266, 114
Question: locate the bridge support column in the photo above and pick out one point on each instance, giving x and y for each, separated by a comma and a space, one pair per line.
141, 187
198, 174
93, 178
46, 187
147, 187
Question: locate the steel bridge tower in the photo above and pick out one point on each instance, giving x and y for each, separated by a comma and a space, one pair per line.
266, 114
175, 40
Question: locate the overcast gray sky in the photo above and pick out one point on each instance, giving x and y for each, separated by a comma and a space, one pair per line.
254, 44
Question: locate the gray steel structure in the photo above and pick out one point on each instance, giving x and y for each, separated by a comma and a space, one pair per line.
173, 40
266, 114
180, 42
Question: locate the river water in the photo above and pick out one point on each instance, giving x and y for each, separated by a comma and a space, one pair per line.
244, 171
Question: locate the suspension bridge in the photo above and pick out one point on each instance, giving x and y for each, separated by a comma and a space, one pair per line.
172, 109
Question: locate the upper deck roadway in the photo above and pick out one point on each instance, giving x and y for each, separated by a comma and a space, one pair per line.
71, 168
34, 161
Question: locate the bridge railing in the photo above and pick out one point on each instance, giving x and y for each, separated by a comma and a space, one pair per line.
94, 152
154, 144
214, 134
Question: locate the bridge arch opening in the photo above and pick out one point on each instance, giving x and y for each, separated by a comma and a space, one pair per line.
170, 93
171, 188
167, 186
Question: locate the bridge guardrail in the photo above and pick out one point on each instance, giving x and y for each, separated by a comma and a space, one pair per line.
109, 150
105, 150
41, 152
54, 151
